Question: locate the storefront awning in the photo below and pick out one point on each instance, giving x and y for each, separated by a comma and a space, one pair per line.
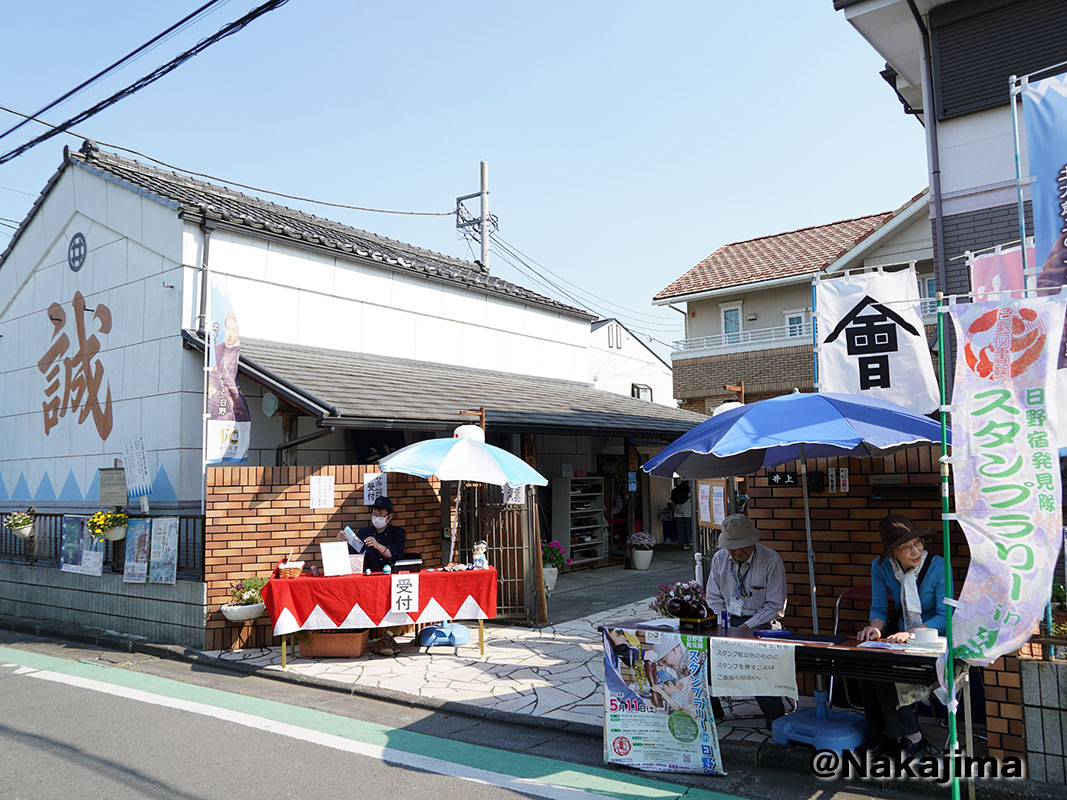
357, 390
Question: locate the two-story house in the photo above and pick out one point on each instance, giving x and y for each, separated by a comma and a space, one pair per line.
621, 363
748, 305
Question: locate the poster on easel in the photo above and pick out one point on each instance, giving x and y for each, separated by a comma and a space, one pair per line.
80, 552
138, 540
657, 713
163, 555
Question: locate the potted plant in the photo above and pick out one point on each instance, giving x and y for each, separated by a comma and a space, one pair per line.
20, 523
641, 545
552, 558
246, 601
340, 643
685, 600
110, 525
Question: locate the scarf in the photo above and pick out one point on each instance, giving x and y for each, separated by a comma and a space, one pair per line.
911, 613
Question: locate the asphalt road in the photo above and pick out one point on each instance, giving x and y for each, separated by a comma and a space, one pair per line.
85, 722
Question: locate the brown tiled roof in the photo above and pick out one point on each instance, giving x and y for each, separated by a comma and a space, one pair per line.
782, 255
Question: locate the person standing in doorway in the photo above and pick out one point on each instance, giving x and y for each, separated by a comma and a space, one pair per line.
682, 498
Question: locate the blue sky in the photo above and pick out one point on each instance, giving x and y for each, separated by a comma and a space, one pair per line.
626, 140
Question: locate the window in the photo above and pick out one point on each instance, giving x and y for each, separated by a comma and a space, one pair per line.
731, 322
928, 294
794, 321
639, 391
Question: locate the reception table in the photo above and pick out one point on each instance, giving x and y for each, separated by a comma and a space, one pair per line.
365, 601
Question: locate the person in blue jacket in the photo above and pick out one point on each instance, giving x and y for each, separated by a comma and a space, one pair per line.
915, 579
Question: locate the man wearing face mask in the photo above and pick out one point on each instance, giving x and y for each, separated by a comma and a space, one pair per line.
383, 542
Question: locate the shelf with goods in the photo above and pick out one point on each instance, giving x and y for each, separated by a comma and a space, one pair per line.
578, 518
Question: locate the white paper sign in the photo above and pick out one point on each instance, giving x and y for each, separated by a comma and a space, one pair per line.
704, 497
404, 595
322, 492
831, 480
135, 461
752, 668
514, 495
718, 504
335, 558
842, 479
374, 486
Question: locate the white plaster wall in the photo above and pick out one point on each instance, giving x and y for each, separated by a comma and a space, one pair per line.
136, 357
617, 361
769, 306
292, 294
912, 242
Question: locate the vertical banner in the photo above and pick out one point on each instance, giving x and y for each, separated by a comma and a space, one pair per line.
657, 712
164, 550
999, 272
135, 462
138, 542
1006, 471
229, 424
1045, 111
872, 348
80, 552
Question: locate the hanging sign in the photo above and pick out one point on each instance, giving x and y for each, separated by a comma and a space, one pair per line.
80, 551
138, 540
514, 495
163, 555
657, 713
375, 485
1006, 470
752, 668
135, 463
321, 490
229, 424
871, 347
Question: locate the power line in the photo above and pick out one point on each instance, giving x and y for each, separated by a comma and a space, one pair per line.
128, 57
225, 180
152, 77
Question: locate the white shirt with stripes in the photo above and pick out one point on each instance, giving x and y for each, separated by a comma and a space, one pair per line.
762, 589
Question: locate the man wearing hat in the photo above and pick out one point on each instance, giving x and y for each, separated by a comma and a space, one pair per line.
747, 580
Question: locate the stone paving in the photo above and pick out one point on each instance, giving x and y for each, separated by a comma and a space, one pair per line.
555, 671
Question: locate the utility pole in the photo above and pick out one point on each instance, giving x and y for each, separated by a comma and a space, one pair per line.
483, 219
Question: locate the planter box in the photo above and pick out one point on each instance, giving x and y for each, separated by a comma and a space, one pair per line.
320, 644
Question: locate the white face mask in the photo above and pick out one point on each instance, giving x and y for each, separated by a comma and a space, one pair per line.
379, 522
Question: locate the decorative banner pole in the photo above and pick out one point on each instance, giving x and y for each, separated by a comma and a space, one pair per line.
950, 675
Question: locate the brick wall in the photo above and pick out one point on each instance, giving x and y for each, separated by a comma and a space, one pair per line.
844, 530
698, 381
256, 515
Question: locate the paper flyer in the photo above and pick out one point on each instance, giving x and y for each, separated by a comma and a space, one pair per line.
657, 711
164, 550
138, 542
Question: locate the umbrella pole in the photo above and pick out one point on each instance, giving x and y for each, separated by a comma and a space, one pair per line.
811, 554
455, 524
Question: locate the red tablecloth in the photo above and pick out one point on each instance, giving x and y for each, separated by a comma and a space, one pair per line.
363, 601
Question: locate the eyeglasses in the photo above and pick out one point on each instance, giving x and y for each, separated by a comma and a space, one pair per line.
916, 547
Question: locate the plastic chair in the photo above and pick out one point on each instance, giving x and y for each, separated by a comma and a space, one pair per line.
856, 594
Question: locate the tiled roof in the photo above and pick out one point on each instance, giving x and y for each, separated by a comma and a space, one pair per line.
419, 392
238, 209
783, 255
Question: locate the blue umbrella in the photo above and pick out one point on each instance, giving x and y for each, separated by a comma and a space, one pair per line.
793, 427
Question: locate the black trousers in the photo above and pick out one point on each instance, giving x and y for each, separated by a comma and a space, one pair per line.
882, 714
771, 707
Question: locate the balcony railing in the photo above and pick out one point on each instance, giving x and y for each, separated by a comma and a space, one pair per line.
784, 335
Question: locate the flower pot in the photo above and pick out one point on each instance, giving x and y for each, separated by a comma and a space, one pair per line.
550, 575
641, 558
24, 532
320, 644
115, 534
236, 613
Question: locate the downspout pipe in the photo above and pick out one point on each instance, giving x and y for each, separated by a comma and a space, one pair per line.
206, 227
934, 159
299, 441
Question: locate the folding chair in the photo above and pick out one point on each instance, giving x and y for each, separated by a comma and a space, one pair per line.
856, 594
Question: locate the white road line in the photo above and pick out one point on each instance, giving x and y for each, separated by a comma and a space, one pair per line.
386, 754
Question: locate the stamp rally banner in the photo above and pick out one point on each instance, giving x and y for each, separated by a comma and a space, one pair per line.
229, 422
1006, 469
657, 712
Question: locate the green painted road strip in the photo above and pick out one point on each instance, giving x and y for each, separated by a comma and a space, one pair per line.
532, 772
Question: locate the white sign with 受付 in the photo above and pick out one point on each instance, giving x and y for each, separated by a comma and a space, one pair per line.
404, 594
374, 486
335, 558
752, 668
322, 491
